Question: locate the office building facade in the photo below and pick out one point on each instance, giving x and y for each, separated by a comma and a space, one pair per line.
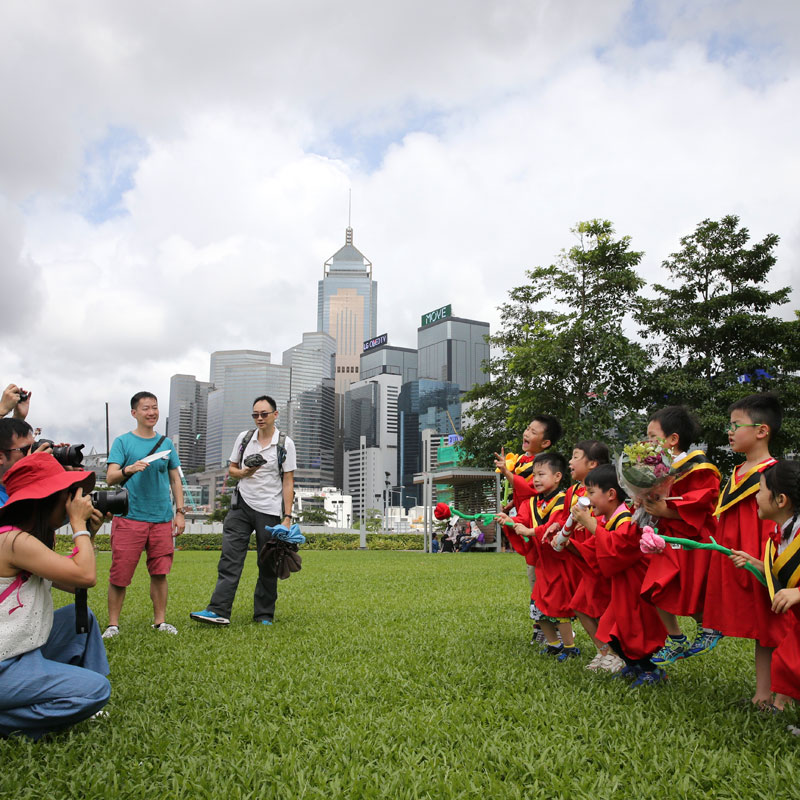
453, 349
311, 408
239, 379
186, 423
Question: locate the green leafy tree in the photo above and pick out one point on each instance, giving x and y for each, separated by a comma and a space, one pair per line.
714, 334
563, 350
316, 516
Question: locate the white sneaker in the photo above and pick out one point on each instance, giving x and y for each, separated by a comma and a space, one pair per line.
165, 627
595, 662
111, 631
612, 663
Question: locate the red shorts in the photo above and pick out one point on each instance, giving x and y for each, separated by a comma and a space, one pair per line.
129, 537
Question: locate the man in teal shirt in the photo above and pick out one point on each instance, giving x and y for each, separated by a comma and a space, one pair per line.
150, 524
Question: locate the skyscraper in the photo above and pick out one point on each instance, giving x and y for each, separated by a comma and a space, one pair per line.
452, 349
310, 414
240, 377
186, 423
347, 309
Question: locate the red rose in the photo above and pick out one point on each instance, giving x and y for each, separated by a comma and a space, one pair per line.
442, 511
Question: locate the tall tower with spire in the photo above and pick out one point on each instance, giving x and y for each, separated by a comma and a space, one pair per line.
347, 310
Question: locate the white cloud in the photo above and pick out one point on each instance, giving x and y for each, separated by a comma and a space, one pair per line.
474, 135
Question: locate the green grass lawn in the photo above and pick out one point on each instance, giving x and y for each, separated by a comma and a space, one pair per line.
398, 675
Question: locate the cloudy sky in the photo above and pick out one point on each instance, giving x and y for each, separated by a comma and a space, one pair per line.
173, 175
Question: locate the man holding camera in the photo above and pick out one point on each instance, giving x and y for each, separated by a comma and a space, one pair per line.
264, 461
16, 399
16, 441
147, 465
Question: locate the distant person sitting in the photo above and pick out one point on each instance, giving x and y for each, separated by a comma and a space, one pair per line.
434, 543
448, 541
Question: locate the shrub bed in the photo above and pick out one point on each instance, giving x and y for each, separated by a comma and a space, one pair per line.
314, 541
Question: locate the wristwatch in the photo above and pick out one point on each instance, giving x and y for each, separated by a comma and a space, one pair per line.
181, 510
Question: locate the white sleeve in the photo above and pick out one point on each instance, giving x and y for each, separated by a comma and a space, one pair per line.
236, 445
290, 464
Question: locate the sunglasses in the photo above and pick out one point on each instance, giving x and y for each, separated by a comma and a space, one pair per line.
260, 414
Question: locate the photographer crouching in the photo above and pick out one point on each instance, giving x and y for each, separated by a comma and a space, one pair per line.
50, 676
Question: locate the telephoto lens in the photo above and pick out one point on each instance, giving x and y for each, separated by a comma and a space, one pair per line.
114, 501
70, 455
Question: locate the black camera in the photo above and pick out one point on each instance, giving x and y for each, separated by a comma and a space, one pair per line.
23, 396
255, 460
68, 455
114, 501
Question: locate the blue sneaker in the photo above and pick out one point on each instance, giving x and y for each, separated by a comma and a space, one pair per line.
671, 651
266, 621
552, 650
209, 616
629, 672
649, 678
567, 653
704, 642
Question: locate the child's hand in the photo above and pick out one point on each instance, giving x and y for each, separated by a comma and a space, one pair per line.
502, 518
521, 530
656, 506
551, 531
785, 599
581, 514
740, 558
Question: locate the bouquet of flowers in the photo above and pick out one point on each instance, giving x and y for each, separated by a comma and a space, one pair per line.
644, 470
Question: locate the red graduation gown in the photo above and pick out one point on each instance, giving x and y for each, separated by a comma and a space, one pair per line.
549, 593
736, 602
676, 579
593, 591
785, 666
629, 617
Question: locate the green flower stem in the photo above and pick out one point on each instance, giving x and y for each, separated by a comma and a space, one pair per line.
690, 544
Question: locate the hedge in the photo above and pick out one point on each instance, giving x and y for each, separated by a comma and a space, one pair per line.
314, 541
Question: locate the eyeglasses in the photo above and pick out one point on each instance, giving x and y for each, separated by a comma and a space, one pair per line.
24, 450
734, 426
260, 414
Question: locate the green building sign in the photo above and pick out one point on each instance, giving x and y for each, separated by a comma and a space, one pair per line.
435, 316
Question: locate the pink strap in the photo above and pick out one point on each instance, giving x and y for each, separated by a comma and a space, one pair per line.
17, 582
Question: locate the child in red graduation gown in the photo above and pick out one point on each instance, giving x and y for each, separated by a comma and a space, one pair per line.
586, 455
542, 433
735, 602
552, 590
629, 624
675, 582
778, 501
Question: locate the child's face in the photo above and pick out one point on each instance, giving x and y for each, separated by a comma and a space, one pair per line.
768, 506
534, 438
743, 433
544, 479
580, 466
655, 433
604, 502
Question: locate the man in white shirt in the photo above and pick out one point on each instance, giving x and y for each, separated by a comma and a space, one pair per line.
263, 497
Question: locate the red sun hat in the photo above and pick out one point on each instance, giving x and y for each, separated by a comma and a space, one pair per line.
38, 476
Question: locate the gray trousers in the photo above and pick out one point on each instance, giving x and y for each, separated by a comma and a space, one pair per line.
236, 530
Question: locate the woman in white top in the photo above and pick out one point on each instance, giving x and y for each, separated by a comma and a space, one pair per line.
50, 676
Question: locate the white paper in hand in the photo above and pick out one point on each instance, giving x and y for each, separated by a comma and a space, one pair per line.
156, 456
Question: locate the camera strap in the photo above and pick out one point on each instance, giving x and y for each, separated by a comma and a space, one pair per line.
281, 453
122, 466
